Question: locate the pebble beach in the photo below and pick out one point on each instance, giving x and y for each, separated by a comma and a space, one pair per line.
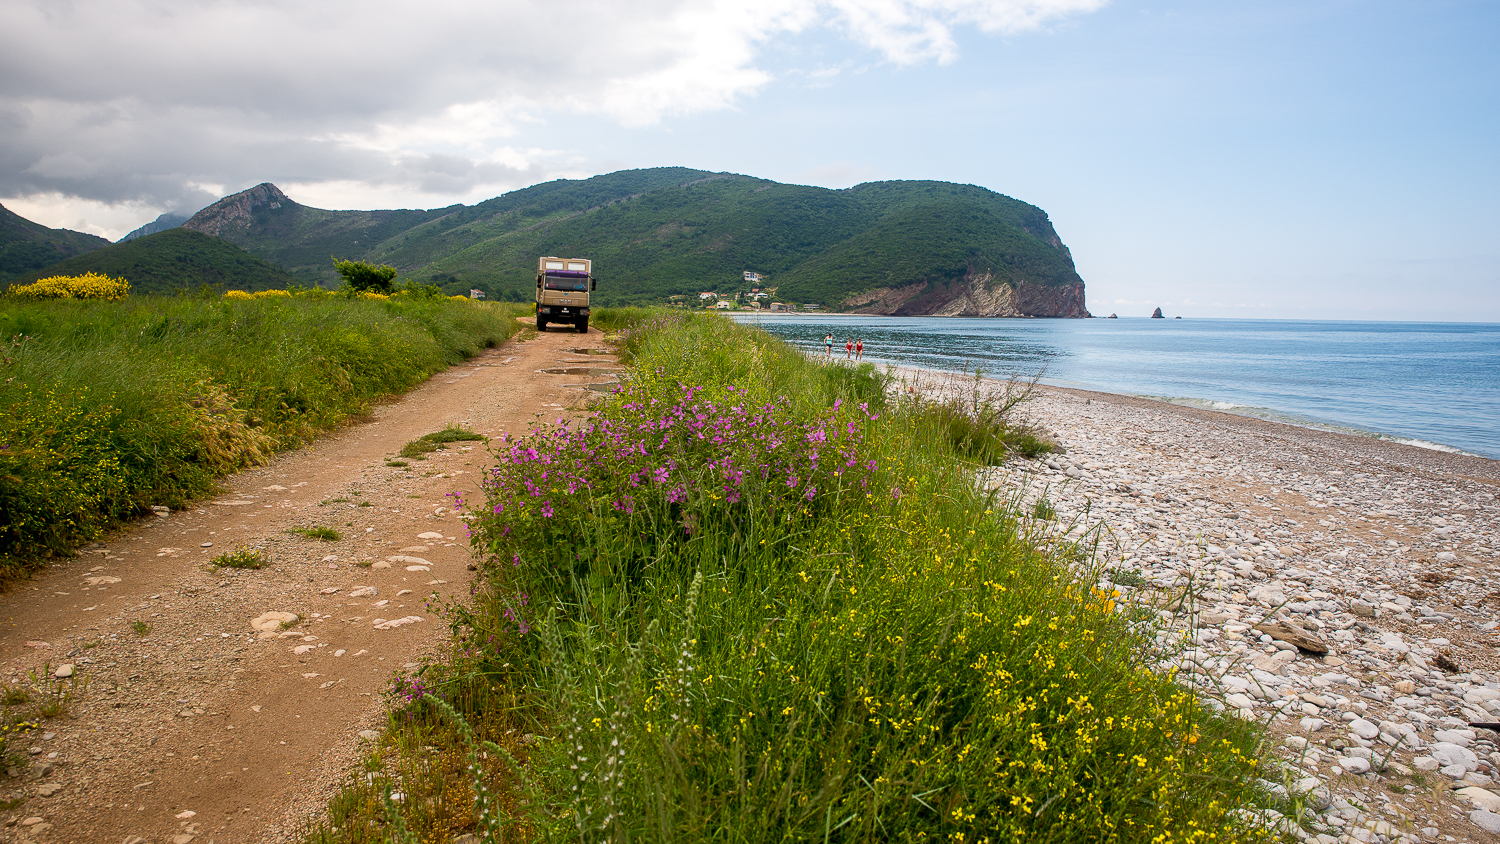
1338, 589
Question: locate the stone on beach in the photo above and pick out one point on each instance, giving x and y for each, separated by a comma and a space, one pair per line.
269, 625
1317, 609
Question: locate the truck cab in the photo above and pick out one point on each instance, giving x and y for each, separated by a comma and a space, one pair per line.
562, 292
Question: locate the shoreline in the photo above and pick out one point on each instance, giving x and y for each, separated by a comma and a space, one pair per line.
1287, 420
1455, 461
1384, 553
1442, 414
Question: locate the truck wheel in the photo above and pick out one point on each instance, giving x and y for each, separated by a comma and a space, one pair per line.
583, 325
541, 324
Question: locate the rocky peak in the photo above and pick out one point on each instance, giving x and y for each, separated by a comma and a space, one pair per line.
235, 211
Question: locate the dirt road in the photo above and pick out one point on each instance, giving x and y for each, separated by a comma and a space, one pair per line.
191, 725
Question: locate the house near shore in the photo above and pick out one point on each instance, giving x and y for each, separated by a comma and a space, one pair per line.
781, 306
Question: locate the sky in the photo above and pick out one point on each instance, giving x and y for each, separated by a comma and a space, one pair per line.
1318, 159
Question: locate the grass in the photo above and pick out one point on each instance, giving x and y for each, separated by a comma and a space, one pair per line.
141, 628
752, 600
323, 534
612, 320
107, 408
1042, 510
242, 558
46, 697
419, 448
980, 427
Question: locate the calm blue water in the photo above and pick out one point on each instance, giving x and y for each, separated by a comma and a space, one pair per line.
1437, 383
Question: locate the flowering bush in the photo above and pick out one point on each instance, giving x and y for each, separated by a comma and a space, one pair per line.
303, 293
86, 286
667, 470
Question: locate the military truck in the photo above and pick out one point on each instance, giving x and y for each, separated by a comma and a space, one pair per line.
562, 291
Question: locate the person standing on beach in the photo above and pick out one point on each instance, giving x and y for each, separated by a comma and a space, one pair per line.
859, 349
828, 341
848, 349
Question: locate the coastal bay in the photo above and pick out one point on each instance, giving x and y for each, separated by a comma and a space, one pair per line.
1424, 383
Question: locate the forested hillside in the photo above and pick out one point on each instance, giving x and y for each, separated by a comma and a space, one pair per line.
174, 260
885, 247
27, 246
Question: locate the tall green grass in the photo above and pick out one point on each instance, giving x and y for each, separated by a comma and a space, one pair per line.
750, 600
107, 408
610, 320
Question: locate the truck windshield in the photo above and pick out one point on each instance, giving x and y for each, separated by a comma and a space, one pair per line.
567, 283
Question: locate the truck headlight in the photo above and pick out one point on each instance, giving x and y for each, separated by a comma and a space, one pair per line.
544, 310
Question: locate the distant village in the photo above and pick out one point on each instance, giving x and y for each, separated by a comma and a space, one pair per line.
752, 294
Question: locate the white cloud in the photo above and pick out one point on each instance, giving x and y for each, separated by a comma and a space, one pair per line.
107, 220
153, 101
911, 31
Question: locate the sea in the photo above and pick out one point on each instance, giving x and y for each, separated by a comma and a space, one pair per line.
1435, 385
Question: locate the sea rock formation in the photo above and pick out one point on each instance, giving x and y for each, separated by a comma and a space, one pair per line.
974, 295
1156, 314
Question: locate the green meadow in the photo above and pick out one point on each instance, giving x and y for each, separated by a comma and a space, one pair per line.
110, 407
753, 598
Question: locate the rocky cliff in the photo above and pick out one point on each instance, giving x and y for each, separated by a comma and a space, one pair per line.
975, 295
233, 213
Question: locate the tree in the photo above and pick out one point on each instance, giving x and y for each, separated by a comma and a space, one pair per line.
360, 276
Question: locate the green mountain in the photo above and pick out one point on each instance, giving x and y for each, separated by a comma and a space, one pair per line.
883, 247
26, 246
173, 260
169, 220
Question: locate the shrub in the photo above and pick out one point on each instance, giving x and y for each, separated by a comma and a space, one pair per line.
362, 277
86, 286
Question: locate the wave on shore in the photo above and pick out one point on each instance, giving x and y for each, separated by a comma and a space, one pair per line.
1285, 418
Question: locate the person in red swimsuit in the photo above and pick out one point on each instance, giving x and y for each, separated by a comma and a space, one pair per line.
848, 349
859, 349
